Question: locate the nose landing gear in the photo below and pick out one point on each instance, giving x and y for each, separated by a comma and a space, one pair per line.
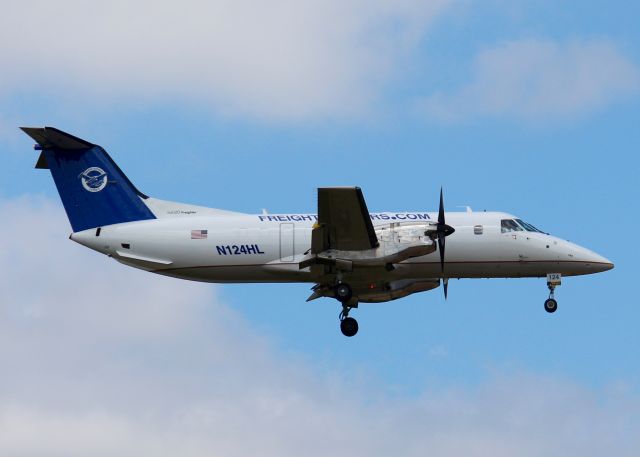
553, 280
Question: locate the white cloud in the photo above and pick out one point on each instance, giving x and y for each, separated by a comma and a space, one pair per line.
539, 80
438, 352
283, 59
102, 360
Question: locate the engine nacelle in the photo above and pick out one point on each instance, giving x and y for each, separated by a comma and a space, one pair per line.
380, 291
397, 243
405, 233
397, 289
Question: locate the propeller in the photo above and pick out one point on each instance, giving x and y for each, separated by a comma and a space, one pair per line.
443, 231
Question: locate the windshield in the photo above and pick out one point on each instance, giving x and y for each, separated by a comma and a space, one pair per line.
517, 225
528, 227
509, 225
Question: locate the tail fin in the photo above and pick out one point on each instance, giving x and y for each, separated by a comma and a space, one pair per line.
93, 189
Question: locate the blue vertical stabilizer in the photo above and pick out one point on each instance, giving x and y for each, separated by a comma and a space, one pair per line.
93, 189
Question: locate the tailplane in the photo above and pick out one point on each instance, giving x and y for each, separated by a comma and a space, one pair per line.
93, 189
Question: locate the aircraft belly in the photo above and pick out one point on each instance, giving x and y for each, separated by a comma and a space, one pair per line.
237, 274
488, 269
290, 272
514, 269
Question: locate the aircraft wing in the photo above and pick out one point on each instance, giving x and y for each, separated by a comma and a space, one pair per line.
343, 221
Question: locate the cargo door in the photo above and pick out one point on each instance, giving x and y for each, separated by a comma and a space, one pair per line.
287, 242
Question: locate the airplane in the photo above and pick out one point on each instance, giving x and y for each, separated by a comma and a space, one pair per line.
348, 253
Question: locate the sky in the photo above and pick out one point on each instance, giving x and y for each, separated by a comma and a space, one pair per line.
531, 108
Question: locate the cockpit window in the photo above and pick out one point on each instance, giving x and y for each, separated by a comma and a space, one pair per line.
509, 225
517, 225
528, 227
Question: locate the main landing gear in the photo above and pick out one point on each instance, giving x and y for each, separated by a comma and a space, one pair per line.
344, 294
553, 280
348, 325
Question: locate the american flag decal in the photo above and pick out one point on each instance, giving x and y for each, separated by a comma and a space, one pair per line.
198, 234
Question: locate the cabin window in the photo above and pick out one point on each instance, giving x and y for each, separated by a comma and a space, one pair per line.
477, 229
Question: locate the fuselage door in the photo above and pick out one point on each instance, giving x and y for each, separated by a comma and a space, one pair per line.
287, 240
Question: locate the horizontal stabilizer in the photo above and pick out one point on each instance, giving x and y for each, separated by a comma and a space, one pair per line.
52, 138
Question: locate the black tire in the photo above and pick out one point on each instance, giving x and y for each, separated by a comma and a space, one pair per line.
349, 326
550, 305
343, 292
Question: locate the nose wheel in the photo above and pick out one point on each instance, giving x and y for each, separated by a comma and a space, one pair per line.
550, 304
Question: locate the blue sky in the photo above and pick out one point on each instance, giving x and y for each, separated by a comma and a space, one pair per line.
529, 109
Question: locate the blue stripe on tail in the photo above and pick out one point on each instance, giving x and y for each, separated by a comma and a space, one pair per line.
93, 189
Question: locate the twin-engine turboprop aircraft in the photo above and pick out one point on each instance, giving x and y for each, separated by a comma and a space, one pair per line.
348, 253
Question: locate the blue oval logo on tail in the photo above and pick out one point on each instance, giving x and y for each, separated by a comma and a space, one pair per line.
93, 179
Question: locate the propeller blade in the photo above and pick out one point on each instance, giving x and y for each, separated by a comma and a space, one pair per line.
441, 209
443, 231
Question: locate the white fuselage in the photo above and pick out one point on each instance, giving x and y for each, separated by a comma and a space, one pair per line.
230, 247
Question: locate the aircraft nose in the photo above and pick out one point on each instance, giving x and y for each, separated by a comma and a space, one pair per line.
599, 263
591, 261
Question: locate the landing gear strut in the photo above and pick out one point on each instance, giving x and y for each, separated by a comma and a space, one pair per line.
550, 304
348, 325
344, 294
